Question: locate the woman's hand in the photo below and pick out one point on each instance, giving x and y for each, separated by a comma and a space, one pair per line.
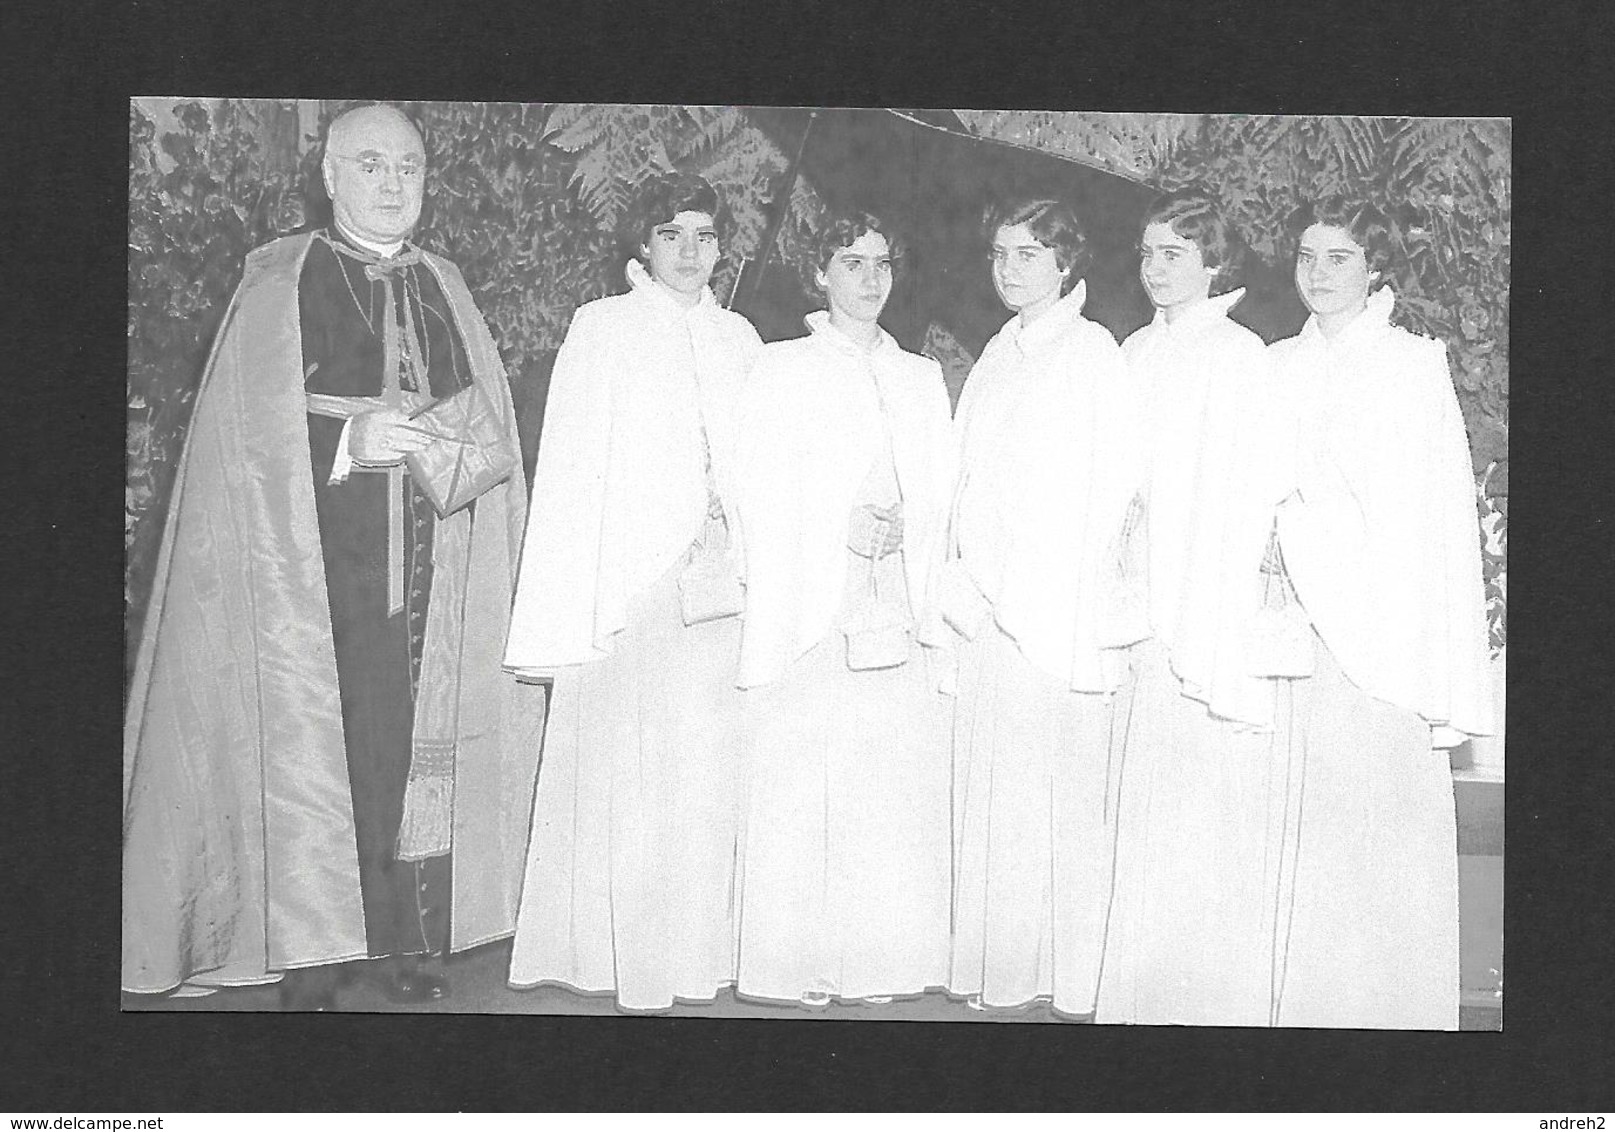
876, 531
383, 437
891, 519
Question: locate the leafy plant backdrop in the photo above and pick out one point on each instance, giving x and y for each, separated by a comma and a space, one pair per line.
525, 198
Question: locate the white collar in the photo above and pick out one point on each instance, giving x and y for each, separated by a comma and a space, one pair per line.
645, 284
385, 251
1371, 320
828, 334
1200, 315
1054, 321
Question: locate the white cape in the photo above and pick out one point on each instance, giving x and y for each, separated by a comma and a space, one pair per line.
810, 429
619, 490
1049, 452
1214, 428
1381, 535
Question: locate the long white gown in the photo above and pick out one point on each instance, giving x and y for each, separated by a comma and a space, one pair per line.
1047, 424
843, 875
1380, 539
630, 868
1201, 794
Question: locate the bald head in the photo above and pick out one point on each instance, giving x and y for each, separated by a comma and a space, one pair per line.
362, 119
374, 170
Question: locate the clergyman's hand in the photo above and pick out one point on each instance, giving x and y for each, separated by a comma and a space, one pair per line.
384, 436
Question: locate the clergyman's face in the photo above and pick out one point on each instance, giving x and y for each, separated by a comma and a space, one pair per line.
858, 279
375, 171
682, 253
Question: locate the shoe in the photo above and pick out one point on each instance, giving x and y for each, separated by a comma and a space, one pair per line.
412, 986
813, 1000
877, 999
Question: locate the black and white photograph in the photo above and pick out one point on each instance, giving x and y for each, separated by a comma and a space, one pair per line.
815, 563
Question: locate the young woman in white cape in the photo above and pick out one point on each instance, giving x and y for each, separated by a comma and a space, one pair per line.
842, 479
627, 598
1378, 535
1197, 793
1048, 440
1332, 625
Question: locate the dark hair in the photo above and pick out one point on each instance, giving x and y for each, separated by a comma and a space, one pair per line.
1052, 224
842, 230
1196, 214
662, 196
1364, 223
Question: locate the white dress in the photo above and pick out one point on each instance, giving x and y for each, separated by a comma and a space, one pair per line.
630, 868
843, 873
1380, 540
1201, 795
1287, 852
1047, 425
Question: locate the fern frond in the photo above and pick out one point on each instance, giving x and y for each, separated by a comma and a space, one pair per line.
708, 128
576, 126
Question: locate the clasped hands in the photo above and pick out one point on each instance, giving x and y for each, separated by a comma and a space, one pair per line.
385, 436
876, 532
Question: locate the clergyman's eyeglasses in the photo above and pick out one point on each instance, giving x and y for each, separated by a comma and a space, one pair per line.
374, 168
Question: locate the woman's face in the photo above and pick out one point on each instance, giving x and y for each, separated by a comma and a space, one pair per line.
682, 253
1331, 271
1172, 268
1025, 271
858, 278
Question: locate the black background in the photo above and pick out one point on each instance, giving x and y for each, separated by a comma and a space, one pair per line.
67, 1047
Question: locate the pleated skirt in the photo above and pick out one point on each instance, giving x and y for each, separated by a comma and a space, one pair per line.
1032, 808
1305, 877
630, 867
844, 873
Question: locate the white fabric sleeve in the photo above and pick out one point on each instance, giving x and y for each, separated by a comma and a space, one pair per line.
343, 464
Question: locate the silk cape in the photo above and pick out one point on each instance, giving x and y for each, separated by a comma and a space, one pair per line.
239, 853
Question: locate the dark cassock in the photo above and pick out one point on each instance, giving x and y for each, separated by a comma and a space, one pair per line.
323, 760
